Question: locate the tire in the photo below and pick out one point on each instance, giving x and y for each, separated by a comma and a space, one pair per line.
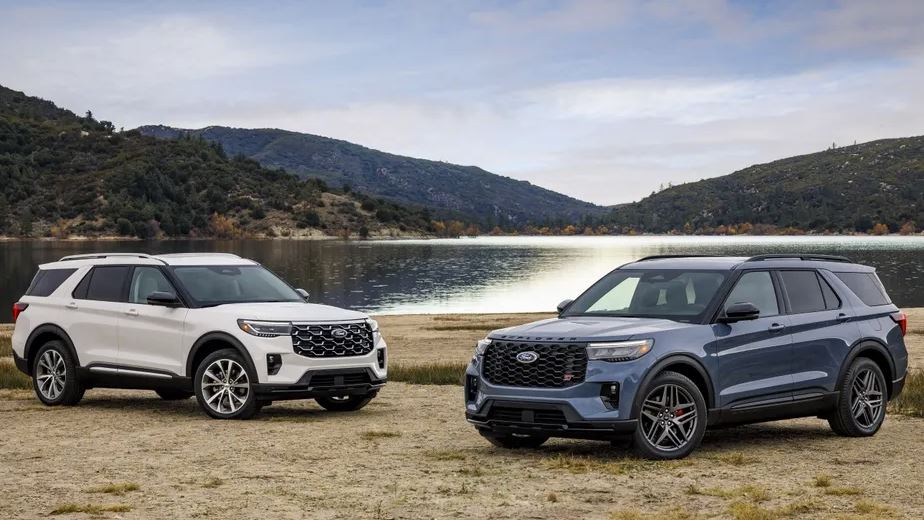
514, 442
223, 386
672, 418
169, 394
345, 403
861, 400
54, 376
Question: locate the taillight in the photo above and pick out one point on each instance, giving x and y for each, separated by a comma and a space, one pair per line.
18, 308
902, 319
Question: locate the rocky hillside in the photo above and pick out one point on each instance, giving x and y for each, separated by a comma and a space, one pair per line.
63, 175
873, 187
449, 190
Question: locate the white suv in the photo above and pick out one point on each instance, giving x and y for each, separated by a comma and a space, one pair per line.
216, 326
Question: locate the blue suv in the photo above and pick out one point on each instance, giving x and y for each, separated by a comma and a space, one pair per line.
662, 348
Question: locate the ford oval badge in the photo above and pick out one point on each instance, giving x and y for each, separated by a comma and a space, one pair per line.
527, 357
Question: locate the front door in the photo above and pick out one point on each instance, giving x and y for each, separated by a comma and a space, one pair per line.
754, 356
150, 336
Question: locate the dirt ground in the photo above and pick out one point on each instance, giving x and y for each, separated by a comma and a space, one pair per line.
410, 454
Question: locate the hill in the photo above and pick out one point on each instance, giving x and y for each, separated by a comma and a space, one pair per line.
449, 190
61, 175
870, 187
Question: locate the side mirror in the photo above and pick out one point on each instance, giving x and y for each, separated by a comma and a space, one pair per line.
740, 312
303, 293
564, 305
163, 299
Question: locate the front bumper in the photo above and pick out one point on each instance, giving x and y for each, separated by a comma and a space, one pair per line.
552, 419
323, 383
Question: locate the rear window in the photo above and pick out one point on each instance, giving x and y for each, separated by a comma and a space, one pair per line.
867, 287
46, 281
104, 284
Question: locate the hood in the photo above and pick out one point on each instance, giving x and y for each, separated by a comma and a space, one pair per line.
289, 311
589, 329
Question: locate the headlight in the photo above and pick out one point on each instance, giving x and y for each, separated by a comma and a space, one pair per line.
374, 325
265, 329
619, 350
481, 346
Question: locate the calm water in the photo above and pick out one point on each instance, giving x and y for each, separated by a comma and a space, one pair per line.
489, 274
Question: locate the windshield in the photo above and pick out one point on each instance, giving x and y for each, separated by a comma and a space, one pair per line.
217, 285
669, 294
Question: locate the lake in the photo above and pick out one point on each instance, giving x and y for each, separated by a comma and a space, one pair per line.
485, 274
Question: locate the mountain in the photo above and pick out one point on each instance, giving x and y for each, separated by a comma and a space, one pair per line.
448, 189
870, 187
61, 175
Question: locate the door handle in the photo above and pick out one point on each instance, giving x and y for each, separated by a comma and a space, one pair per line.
131, 312
776, 327
842, 317
71, 305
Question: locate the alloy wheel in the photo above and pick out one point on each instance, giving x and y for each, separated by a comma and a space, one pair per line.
669, 417
225, 386
51, 374
866, 402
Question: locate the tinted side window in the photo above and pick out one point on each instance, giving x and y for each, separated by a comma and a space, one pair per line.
108, 283
46, 281
803, 290
866, 286
755, 287
831, 299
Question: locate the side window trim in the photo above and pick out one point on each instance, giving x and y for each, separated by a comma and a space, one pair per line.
823, 281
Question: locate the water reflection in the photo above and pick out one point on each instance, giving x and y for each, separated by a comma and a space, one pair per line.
488, 274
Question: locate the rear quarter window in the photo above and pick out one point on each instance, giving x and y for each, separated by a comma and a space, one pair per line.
47, 281
867, 287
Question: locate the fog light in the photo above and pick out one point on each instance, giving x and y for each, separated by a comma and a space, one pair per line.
609, 392
381, 358
471, 388
273, 363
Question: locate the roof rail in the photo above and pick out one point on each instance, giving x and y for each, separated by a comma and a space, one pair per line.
187, 255
809, 257
91, 256
658, 257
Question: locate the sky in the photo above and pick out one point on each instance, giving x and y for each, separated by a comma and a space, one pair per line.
605, 101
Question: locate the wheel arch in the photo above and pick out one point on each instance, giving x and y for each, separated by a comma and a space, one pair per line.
875, 351
683, 364
212, 342
43, 334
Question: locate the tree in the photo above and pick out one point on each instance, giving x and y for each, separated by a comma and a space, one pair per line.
907, 228
25, 223
4, 215
880, 229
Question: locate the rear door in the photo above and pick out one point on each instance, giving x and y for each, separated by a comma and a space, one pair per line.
822, 329
94, 311
754, 356
150, 336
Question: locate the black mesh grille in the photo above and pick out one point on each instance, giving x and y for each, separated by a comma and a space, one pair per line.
556, 366
322, 379
332, 340
523, 415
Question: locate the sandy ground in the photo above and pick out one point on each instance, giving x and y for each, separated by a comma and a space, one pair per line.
410, 454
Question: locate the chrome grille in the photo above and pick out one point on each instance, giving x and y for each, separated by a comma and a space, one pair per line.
332, 340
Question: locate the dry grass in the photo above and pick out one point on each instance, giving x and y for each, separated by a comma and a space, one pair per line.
445, 455
577, 464
6, 346
115, 488
750, 492
11, 377
911, 400
90, 509
375, 435
735, 458
428, 374
822, 480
